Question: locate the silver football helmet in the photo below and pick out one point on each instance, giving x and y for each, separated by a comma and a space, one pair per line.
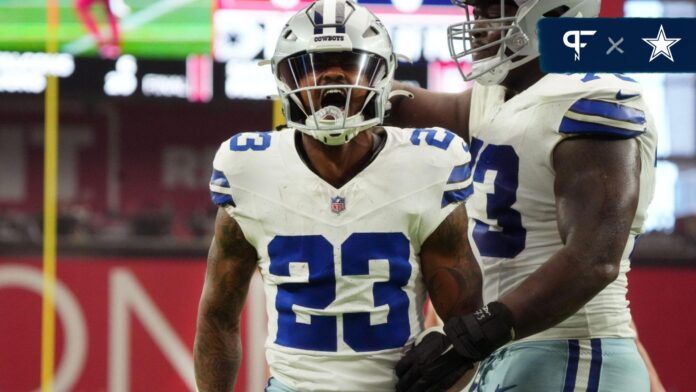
518, 43
334, 67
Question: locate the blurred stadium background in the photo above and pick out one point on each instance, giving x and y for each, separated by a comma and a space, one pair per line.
137, 134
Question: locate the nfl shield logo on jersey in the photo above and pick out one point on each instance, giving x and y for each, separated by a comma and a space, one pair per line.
338, 204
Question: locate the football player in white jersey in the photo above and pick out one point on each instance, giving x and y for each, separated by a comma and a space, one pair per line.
348, 222
563, 169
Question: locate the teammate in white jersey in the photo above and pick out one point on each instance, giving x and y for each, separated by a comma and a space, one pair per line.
563, 169
349, 223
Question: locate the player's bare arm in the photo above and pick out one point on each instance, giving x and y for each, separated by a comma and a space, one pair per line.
453, 279
591, 197
431, 109
450, 272
596, 187
217, 348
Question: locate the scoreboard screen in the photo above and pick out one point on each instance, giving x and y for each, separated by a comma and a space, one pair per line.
160, 29
213, 46
168, 29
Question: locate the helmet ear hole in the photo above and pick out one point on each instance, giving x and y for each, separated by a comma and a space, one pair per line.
557, 12
370, 32
290, 36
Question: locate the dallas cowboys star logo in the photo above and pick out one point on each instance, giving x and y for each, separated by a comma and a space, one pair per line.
661, 45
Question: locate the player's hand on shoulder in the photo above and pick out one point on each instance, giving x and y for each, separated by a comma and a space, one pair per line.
432, 364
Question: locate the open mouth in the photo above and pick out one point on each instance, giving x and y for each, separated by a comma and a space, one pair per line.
334, 97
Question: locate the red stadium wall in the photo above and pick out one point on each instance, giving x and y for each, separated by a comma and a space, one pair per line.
612, 8
130, 324
156, 302
662, 302
127, 156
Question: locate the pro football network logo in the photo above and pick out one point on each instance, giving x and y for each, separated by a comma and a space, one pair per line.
576, 42
338, 204
617, 45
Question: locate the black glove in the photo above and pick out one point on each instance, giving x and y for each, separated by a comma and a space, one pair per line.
431, 365
475, 336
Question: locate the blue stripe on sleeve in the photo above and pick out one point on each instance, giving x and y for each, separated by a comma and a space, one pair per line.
456, 195
572, 369
571, 126
218, 178
595, 365
221, 199
460, 173
609, 110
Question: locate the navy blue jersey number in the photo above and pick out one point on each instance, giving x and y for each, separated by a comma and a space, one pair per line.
393, 249
508, 240
439, 138
317, 293
255, 141
319, 332
593, 76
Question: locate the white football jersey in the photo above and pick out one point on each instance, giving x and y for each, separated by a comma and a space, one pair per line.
513, 226
340, 267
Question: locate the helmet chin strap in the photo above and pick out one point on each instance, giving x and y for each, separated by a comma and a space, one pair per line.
495, 74
334, 137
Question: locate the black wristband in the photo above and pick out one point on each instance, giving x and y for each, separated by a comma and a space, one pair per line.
476, 335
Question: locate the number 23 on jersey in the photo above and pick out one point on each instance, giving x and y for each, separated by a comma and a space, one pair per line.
309, 260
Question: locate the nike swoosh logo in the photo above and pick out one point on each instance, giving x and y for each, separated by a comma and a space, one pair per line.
507, 388
620, 96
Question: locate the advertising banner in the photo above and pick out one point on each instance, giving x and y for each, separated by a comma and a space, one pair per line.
122, 325
129, 324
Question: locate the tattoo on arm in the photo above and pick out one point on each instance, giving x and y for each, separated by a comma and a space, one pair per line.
450, 272
217, 349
